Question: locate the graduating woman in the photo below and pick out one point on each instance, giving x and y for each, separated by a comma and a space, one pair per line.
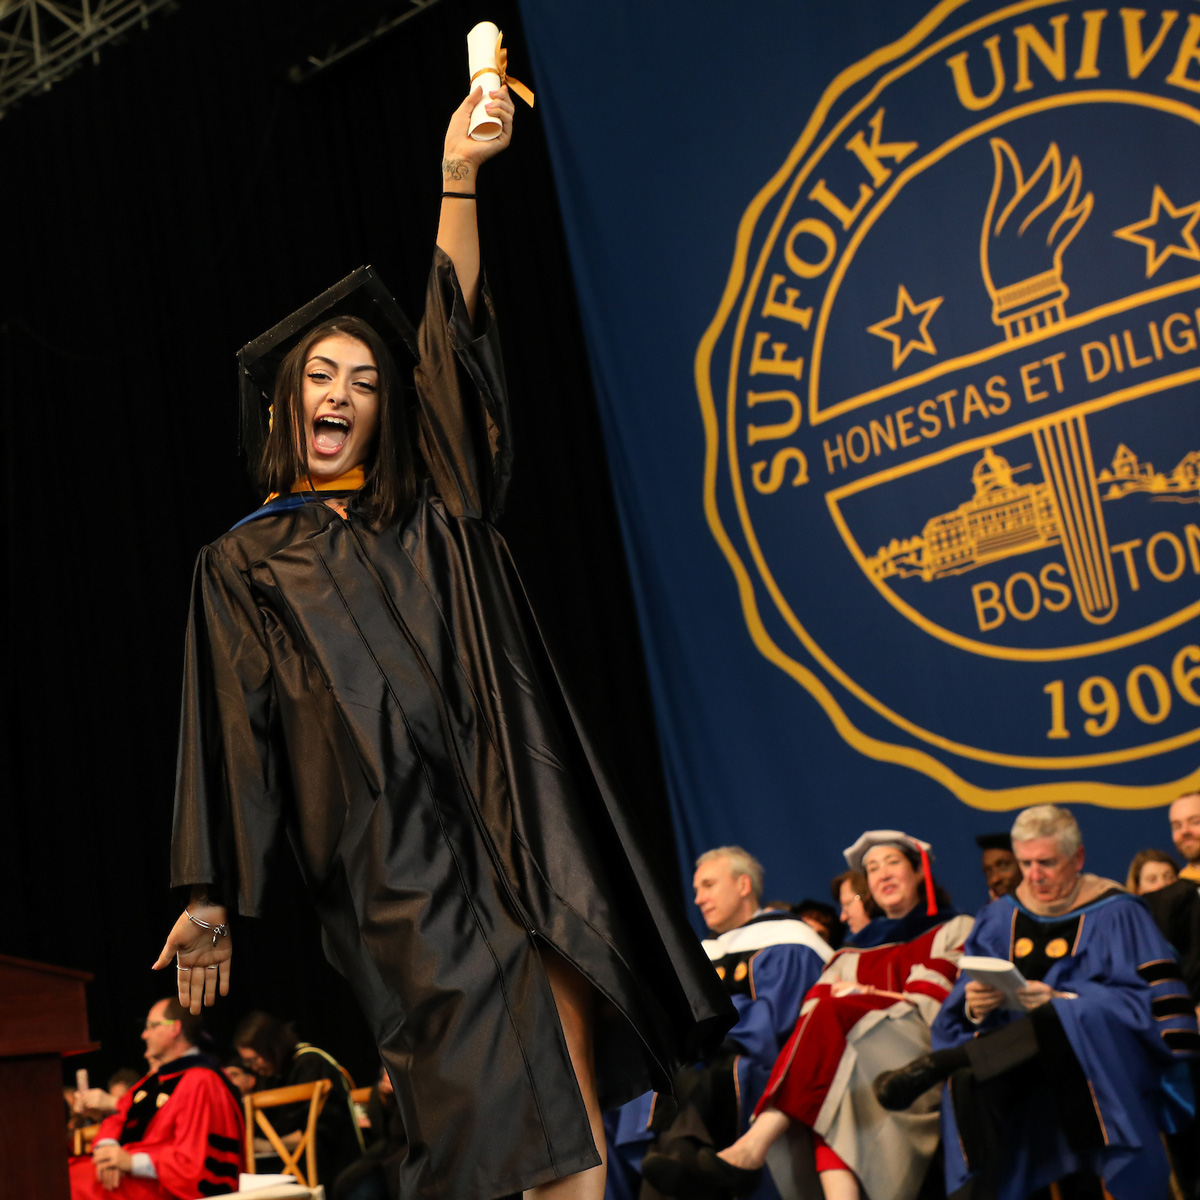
364, 675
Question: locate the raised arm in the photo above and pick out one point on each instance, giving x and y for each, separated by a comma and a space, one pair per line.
458, 229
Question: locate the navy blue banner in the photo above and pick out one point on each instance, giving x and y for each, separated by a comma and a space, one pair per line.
894, 316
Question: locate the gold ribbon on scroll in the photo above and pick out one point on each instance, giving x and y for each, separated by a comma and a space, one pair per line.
506, 80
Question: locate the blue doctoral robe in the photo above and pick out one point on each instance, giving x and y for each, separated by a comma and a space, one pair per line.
1129, 1027
767, 966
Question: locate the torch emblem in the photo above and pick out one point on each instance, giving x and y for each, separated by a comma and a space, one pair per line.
1029, 223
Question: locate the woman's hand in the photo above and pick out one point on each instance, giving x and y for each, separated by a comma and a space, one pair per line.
982, 999
843, 987
202, 968
463, 155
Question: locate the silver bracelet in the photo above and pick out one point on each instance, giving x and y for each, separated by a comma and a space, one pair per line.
217, 930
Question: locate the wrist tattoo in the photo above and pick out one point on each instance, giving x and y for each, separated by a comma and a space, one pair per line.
456, 168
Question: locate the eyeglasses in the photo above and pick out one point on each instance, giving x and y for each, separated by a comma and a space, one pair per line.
155, 1024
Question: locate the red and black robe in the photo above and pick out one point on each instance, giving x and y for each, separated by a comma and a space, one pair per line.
187, 1118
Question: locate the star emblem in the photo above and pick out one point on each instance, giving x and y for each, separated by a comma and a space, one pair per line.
1167, 230
908, 328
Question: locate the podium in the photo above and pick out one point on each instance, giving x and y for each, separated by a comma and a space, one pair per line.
43, 1015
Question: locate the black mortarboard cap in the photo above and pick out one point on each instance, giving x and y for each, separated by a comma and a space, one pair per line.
361, 294
994, 841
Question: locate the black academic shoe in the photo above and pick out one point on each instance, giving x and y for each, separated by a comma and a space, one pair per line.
675, 1174
897, 1090
724, 1175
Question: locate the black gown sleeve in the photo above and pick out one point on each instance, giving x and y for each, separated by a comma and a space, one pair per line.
1176, 912
227, 805
463, 424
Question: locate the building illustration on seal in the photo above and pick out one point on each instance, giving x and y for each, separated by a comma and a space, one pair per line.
1128, 474
1001, 519
1004, 518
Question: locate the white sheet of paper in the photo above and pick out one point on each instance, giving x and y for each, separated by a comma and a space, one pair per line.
270, 1186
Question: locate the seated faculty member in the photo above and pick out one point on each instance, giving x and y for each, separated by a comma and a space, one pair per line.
176, 1134
767, 961
871, 1007
1001, 871
856, 908
1080, 1081
1184, 815
269, 1048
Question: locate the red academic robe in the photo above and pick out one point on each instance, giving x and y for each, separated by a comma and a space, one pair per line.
923, 970
843, 1040
188, 1119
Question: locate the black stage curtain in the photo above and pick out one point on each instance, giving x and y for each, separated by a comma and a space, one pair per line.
159, 209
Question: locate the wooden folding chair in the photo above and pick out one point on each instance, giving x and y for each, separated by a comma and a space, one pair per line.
316, 1094
84, 1137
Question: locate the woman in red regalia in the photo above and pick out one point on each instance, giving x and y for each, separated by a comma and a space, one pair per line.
876, 998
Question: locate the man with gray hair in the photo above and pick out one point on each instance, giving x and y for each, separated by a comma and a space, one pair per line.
1069, 1066
767, 960
729, 886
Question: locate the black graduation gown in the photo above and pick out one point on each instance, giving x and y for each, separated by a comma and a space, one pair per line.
386, 698
339, 1142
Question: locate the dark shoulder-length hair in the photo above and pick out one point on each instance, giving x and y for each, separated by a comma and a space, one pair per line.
1140, 859
390, 484
271, 1039
942, 898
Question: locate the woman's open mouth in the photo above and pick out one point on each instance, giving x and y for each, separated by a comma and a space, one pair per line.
329, 434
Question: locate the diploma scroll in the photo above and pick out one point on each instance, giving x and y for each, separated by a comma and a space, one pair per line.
482, 43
